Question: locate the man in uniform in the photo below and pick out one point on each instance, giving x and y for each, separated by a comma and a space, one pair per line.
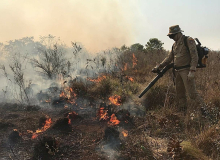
185, 62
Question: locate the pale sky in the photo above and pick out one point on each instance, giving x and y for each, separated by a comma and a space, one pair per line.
103, 24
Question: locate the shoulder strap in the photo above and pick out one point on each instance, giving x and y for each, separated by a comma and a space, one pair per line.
185, 43
173, 68
172, 53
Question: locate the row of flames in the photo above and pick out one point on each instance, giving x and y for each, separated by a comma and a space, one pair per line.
68, 94
97, 80
47, 125
100, 78
103, 116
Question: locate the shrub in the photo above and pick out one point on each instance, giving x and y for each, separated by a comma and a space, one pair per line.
101, 90
79, 88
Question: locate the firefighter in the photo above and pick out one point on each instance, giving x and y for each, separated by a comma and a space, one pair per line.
185, 62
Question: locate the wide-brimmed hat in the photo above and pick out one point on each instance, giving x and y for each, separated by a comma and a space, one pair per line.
174, 29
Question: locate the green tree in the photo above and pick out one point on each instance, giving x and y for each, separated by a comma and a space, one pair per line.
137, 47
154, 44
124, 47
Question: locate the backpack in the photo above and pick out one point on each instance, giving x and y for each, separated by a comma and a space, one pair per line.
202, 52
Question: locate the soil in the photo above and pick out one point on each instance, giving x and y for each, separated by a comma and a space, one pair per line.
84, 138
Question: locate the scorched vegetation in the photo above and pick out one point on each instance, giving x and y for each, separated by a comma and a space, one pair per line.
59, 102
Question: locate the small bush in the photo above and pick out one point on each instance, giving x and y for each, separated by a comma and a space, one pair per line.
79, 88
101, 90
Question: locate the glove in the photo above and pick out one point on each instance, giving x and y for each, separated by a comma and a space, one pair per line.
191, 75
156, 69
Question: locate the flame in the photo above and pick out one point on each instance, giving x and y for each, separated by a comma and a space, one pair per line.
103, 114
134, 60
34, 136
71, 115
115, 100
125, 66
99, 79
130, 78
125, 133
48, 100
113, 121
69, 121
47, 125
62, 94
65, 106
68, 94
29, 131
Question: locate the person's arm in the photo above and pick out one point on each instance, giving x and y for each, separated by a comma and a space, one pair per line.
166, 61
193, 53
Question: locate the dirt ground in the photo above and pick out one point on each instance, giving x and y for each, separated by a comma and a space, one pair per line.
86, 137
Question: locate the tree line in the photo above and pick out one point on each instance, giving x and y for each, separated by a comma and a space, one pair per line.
152, 45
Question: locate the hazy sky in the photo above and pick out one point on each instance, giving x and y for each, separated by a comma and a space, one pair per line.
103, 24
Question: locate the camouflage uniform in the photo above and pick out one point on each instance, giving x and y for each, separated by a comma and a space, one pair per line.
183, 57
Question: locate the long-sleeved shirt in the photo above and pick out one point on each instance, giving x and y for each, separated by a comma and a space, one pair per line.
181, 55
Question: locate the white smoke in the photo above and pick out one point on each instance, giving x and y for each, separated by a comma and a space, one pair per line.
80, 64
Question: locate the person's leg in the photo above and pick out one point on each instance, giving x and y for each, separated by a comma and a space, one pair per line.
181, 93
196, 101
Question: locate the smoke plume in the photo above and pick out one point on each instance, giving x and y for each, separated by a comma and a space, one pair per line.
97, 24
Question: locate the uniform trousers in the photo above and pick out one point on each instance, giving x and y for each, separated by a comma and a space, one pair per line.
184, 87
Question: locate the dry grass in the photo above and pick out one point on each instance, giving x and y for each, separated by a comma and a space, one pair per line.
190, 152
208, 142
148, 135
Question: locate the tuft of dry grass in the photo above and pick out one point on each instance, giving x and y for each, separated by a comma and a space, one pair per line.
191, 152
208, 142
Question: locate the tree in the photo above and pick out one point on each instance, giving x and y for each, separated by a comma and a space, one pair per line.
17, 68
51, 62
23, 45
137, 47
124, 47
154, 44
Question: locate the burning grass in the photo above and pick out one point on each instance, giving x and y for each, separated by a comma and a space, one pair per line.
46, 125
94, 130
90, 137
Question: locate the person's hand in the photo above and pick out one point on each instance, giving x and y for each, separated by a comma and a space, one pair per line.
191, 74
156, 69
